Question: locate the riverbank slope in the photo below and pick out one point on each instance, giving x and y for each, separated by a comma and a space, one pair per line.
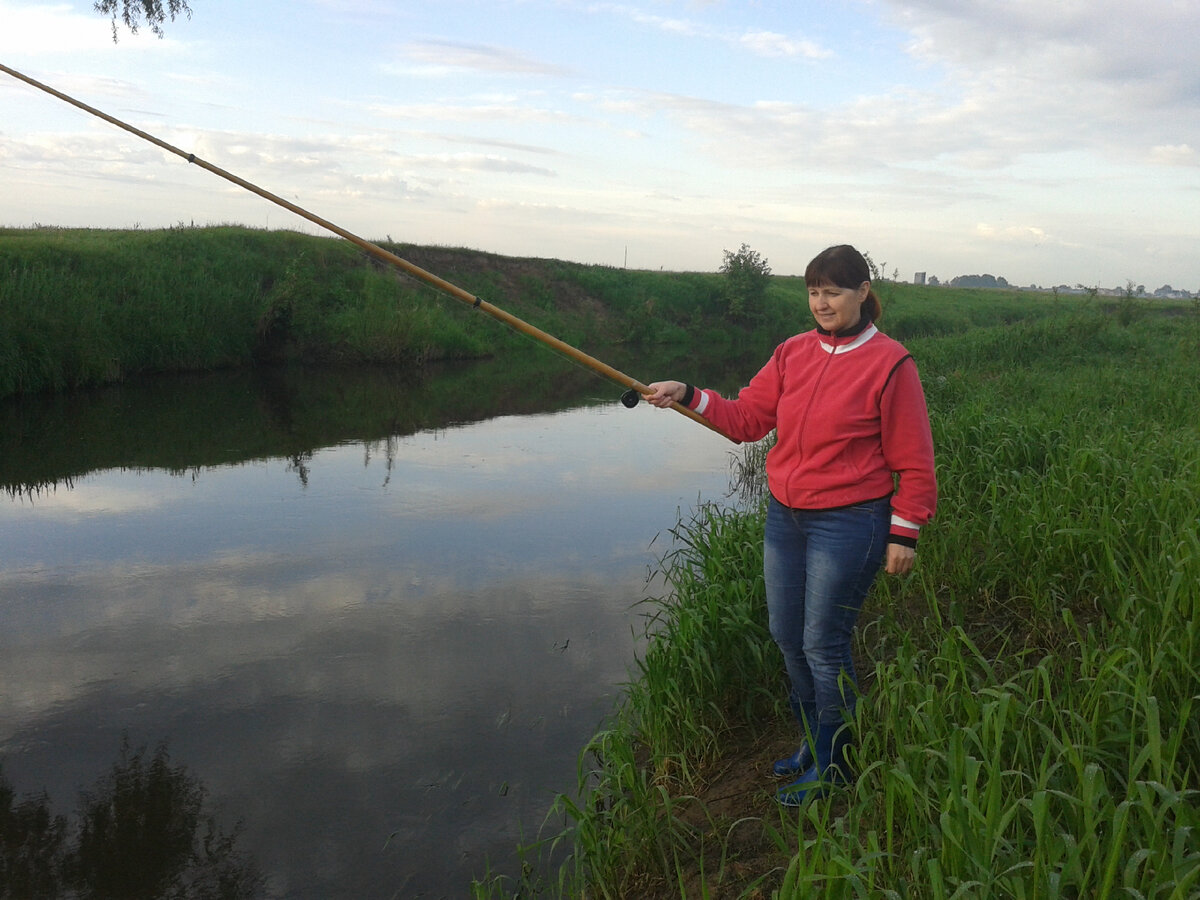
84, 307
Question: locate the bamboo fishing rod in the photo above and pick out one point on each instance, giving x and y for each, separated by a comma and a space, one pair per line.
378, 252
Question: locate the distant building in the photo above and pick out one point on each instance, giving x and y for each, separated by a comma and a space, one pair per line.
919, 278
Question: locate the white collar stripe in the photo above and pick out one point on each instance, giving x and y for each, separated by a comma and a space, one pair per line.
869, 332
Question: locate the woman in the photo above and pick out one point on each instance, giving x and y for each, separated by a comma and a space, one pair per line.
851, 478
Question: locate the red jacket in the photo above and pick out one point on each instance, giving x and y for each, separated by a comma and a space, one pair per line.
850, 412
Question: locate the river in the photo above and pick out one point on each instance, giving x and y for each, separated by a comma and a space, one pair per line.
375, 617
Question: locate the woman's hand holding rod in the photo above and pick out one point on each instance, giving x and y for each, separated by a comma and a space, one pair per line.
665, 393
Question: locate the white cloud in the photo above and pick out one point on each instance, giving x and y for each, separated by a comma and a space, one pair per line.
1174, 155
662, 23
56, 29
50, 29
1099, 72
769, 43
448, 57
759, 42
1019, 234
461, 112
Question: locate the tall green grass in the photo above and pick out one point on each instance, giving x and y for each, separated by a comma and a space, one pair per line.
1031, 725
82, 307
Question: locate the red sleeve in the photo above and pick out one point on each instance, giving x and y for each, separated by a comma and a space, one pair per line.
752, 415
908, 450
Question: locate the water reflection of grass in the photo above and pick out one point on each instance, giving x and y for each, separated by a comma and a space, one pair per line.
277, 412
206, 419
1031, 726
142, 831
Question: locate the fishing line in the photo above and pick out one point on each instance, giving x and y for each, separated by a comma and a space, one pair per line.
563, 348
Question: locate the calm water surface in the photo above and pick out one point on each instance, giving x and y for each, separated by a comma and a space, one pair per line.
382, 654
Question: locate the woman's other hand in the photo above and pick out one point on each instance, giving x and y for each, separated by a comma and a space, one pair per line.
900, 559
665, 393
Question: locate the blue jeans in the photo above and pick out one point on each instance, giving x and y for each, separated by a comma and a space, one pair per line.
818, 566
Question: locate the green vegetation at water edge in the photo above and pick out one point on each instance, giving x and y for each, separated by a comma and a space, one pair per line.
1031, 720
87, 307
187, 422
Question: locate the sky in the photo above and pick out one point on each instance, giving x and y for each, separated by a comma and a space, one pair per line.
1043, 141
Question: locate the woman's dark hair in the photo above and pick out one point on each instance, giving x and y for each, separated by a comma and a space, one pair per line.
843, 266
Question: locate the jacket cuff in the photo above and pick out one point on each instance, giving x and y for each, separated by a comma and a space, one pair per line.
903, 532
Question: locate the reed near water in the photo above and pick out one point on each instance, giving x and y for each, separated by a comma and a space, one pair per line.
1031, 721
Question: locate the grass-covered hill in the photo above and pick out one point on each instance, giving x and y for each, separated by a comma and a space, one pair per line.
83, 307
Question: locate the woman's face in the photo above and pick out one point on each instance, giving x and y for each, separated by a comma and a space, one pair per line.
837, 308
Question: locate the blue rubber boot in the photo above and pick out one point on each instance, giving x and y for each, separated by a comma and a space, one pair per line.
802, 760
830, 768
798, 762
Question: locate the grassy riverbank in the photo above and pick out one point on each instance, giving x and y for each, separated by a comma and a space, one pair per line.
1031, 723
83, 307
86, 307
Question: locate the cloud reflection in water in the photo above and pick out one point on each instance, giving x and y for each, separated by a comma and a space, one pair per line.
387, 670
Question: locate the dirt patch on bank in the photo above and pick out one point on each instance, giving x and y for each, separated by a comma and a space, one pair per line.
509, 282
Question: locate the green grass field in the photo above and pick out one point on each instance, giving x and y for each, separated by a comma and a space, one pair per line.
1031, 723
